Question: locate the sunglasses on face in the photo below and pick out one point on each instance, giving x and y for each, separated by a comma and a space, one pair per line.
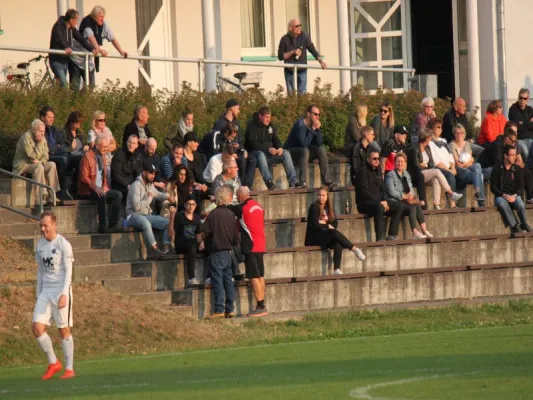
315, 114
375, 158
297, 26
524, 98
385, 111
100, 120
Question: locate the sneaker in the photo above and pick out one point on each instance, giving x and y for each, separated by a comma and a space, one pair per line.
217, 315
359, 254
52, 370
337, 271
157, 254
428, 234
69, 373
437, 207
418, 235
207, 281
390, 237
193, 281
331, 185
258, 312
229, 314
516, 229
526, 228
530, 201
455, 197
297, 185
68, 195
271, 185
169, 251
481, 203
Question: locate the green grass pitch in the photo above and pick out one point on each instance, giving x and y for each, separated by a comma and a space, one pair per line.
488, 363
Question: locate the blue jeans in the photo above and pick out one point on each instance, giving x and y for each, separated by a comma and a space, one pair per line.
147, 222
527, 154
506, 210
263, 160
221, 280
487, 172
301, 77
60, 69
473, 175
476, 150
450, 178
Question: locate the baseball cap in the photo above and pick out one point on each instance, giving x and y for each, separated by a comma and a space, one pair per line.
191, 137
231, 103
401, 129
148, 166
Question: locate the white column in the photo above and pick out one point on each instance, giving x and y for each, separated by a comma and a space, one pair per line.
344, 43
208, 21
62, 7
473, 57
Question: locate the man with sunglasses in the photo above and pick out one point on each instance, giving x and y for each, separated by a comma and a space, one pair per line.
305, 142
293, 50
522, 114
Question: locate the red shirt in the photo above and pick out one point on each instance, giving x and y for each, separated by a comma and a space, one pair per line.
253, 225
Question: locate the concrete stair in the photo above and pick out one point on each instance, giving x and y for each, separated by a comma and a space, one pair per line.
128, 285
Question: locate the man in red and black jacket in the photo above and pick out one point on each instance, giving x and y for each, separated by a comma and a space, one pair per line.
253, 245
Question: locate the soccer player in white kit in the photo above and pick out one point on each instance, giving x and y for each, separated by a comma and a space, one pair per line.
54, 295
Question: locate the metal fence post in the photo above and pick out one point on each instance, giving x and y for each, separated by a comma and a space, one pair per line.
295, 80
41, 199
200, 82
86, 75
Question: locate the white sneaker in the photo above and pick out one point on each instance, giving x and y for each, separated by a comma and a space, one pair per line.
418, 235
428, 234
456, 196
193, 281
359, 254
337, 271
207, 281
437, 207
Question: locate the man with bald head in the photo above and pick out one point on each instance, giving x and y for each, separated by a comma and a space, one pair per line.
150, 156
454, 117
293, 50
93, 184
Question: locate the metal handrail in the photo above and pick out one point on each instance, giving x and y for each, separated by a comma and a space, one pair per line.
203, 61
33, 182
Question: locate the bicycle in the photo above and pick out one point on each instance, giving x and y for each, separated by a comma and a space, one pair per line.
243, 82
19, 75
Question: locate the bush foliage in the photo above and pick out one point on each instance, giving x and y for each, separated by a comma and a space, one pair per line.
18, 108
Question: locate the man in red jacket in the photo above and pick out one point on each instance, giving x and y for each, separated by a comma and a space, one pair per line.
253, 245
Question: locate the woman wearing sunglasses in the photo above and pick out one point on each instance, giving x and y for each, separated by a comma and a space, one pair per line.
99, 128
383, 124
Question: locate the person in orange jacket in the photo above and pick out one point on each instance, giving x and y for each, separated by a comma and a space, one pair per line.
493, 125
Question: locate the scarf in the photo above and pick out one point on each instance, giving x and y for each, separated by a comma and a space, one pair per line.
184, 129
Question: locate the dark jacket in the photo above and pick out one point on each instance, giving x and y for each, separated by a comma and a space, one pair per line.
357, 160
502, 178
522, 118
492, 155
392, 147
303, 41
303, 137
222, 122
56, 140
317, 234
259, 136
69, 138
196, 167
450, 121
414, 158
220, 229
132, 129
89, 22
370, 185
383, 134
61, 38
155, 161
352, 135
125, 168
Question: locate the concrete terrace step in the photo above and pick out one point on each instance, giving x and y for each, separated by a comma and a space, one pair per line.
157, 297
376, 289
20, 230
5, 199
92, 257
9, 217
128, 285
99, 272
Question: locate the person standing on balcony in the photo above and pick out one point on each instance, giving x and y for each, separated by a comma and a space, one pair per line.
293, 50
63, 34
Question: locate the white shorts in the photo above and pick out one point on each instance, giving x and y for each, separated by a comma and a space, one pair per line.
46, 309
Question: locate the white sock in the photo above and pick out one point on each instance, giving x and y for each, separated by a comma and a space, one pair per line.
68, 352
46, 345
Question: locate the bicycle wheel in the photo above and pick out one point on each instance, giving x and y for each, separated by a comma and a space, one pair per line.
17, 84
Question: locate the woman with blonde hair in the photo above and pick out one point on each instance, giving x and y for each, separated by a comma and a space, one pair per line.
383, 124
352, 134
99, 128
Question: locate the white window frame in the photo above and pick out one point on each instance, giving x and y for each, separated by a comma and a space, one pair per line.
312, 16
261, 51
379, 34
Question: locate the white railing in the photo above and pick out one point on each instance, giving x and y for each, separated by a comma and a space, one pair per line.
202, 62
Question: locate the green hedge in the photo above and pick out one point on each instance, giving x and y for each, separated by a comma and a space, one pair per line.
19, 108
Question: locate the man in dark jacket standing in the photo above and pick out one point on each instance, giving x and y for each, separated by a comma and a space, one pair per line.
126, 166
64, 33
371, 198
506, 183
263, 145
305, 142
293, 50
138, 126
522, 114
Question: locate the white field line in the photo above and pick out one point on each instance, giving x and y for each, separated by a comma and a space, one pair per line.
259, 346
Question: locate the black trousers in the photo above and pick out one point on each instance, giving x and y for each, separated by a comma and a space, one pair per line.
190, 251
61, 162
303, 155
415, 214
528, 183
113, 197
338, 242
73, 165
420, 184
241, 163
375, 209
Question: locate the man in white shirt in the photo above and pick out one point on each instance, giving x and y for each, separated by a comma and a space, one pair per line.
214, 167
54, 295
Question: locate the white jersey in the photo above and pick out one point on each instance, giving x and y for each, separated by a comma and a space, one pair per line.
54, 260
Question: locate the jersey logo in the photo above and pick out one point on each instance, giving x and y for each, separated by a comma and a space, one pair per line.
48, 264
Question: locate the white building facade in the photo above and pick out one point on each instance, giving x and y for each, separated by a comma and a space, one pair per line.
473, 46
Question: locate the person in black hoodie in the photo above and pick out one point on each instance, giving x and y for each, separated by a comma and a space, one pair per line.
63, 34
263, 145
522, 114
126, 166
506, 182
371, 198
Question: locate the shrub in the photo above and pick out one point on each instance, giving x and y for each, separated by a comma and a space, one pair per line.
18, 108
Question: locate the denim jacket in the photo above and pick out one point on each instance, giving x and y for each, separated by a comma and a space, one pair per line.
394, 186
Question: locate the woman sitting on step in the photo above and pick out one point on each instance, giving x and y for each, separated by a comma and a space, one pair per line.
322, 230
